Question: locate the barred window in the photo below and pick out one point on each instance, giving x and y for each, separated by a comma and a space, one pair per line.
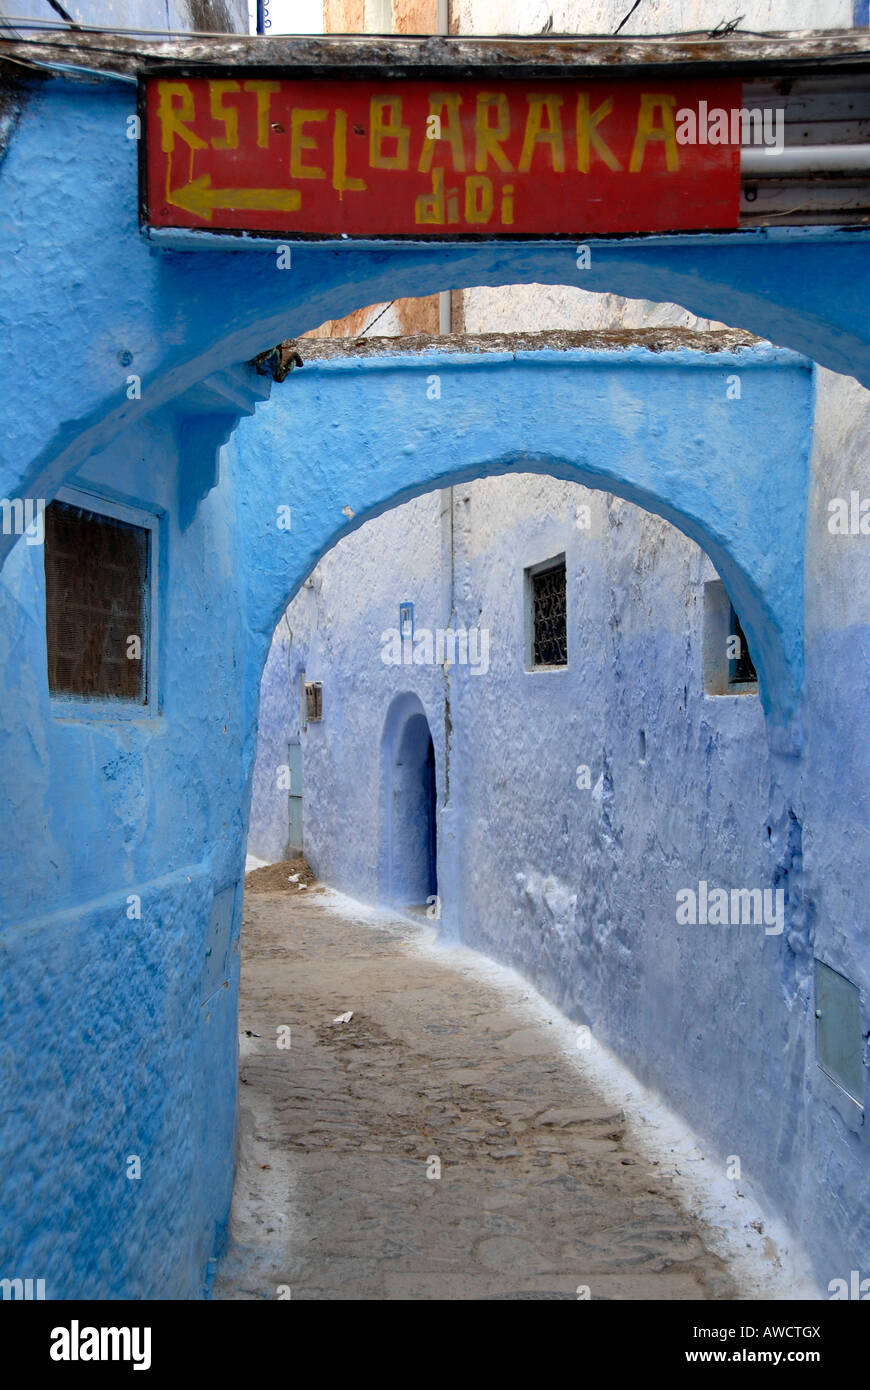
313, 701
547, 605
97, 570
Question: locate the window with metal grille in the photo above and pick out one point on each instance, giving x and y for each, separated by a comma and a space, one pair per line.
547, 614
97, 582
740, 668
313, 701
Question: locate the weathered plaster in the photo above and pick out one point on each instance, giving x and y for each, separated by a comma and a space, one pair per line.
114, 1044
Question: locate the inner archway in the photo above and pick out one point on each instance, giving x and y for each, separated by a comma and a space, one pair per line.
645, 416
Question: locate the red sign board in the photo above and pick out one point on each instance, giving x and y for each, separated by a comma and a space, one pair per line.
422, 158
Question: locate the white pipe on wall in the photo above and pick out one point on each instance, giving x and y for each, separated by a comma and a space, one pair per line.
759, 161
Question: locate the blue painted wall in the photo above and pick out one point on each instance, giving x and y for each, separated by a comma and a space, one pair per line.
578, 889
113, 1045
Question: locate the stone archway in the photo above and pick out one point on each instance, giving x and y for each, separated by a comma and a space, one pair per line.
646, 416
91, 303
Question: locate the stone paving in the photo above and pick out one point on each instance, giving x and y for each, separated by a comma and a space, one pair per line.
540, 1193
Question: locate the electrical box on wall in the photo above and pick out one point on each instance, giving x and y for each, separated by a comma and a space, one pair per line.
839, 1049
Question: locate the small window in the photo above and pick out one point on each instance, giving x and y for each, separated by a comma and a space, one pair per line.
740, 668
313, 701
98, 576
728, 665
546, 615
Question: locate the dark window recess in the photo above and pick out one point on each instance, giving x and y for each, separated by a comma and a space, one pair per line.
740, 668
550, 631
313, 701
96, 586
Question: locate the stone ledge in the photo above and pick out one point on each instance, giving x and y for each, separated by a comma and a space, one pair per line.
590, 340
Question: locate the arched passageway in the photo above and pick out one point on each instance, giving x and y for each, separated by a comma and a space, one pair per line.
648, 418
154, 344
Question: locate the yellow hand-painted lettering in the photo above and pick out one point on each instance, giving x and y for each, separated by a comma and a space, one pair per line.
451, 130
341, 180
227, 115
588, 136
536, 133
263, 92
299, 142
172, 116
488, 137
650, 104
389, 129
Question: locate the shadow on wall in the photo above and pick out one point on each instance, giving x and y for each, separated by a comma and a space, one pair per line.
408, 869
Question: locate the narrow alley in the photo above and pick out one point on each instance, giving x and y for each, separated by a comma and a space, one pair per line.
434, 672
542, 1192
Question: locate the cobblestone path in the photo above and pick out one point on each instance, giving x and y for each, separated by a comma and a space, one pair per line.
539, 1194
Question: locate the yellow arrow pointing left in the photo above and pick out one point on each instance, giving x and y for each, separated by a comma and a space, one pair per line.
199, 198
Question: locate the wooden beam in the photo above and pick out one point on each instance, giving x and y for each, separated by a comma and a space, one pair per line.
434, 55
